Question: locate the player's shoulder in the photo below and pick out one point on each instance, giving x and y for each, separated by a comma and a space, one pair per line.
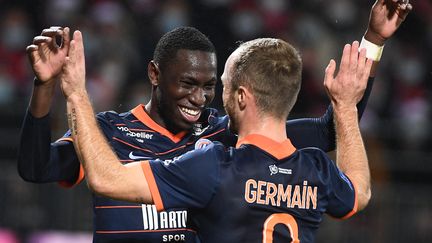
206, 153
107, 114
114, 116
312, 151
206, 150
206, 147
315, 157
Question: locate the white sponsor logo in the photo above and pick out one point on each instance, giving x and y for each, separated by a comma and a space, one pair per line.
274, 170
133, 134
173, 238
153, 220
135, 157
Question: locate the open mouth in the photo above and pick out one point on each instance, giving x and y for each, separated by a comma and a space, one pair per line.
191, 115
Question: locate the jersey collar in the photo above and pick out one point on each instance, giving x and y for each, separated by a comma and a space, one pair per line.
140, 113
276, 149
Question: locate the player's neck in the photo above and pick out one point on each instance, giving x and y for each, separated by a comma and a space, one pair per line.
274, 129
154, 114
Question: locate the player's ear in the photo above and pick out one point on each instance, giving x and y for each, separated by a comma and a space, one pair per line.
153, 73
242, 96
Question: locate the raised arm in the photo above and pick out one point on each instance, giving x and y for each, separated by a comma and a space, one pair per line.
38, 159
345, 91
385, 18
105, 174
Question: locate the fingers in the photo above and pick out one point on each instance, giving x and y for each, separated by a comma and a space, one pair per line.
48, 37
38, 40
409, 7
363, 68
329, 76
79, 40
345, 59
54, 32
329, 73
51, 31
354, 56
369, 63
76, 48
404, 9
66, 38
73, 74
362, 59
32, 52
31, 48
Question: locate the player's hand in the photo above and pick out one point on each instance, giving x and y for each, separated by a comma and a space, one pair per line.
46, 56
385, 18
347, 88
73, 74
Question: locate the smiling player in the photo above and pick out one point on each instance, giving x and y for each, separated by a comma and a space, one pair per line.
183, 75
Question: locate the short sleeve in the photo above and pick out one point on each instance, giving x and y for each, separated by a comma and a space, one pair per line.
342, 200
188, 181
64, 151
103, 122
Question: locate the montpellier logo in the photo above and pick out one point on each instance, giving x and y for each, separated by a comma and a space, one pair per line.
274, 170
135, 157
137, 134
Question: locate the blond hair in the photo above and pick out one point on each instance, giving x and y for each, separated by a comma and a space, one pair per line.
271, 68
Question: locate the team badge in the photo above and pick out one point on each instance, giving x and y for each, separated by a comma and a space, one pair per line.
201, 143
274, 170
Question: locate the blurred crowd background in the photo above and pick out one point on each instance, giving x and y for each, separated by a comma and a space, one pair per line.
120, 37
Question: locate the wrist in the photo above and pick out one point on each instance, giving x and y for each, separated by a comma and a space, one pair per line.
44, 84
78, 97
342, 109
375, 38
373, 51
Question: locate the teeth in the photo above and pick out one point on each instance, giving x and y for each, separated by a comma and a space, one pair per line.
189, 111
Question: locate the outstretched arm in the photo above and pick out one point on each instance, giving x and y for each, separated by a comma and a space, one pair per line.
320, 132
104, 173
344, 91
385, 18
38, 159
46, 59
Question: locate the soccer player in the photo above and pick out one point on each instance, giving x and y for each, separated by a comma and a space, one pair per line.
183, 78
264, 190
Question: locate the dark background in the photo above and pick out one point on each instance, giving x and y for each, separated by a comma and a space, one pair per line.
119, 40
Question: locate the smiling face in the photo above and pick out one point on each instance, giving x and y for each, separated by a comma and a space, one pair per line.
184, 88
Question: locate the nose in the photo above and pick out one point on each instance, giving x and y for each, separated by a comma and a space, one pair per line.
198, 97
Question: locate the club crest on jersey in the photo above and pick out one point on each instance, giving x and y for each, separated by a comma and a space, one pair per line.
274, 170
201, 143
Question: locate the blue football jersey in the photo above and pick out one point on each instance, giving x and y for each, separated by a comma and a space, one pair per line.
134, 136
260, 191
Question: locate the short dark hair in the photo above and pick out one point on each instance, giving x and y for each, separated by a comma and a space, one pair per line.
187, 38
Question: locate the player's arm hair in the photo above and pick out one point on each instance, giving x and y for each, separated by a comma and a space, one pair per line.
320, 132
41, 161
351, 155
105, 174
